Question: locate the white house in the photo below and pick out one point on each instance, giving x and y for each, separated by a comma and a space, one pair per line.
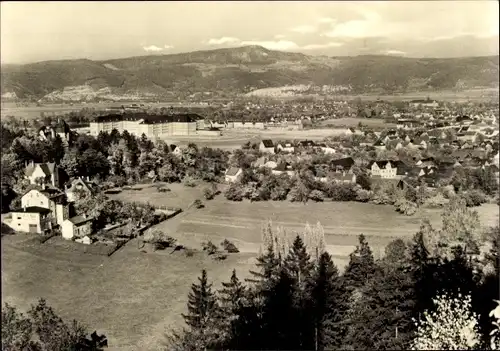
386, 169
76, 227
48, 173
31, 219
267, 145
232, 174
286, 147
50, 199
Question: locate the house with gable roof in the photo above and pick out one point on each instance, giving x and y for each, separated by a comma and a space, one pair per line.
46, 173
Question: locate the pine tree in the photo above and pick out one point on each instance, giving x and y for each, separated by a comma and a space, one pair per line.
298, 262
329, 304
361, 265
203, 312
231, 297
382, 318
299, 269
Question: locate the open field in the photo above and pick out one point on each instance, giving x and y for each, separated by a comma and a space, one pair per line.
134, 297
33, 111
242, 221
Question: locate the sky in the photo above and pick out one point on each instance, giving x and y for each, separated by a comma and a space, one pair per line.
38, 31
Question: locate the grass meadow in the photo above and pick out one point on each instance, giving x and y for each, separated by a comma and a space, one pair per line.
134, 297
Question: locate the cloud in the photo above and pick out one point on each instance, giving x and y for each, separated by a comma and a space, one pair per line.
279, 36
273, 45
152, 48
326, 20
395, 52
322, 46
305, 29
268, 44
224, 40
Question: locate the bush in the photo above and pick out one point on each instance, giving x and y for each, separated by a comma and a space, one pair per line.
220, 256
208, 194
233, 193
437, 201
474, 198
209, 247
229, 246
189, 182
198, 204
317, 196
190, 252
363, 195
405, 207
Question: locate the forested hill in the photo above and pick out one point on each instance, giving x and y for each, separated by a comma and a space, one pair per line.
241, 70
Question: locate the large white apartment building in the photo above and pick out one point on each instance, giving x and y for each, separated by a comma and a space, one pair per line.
151, 125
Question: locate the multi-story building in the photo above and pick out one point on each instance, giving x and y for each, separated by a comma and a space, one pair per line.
152, 126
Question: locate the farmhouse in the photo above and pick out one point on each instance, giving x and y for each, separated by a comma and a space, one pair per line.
232, 174
152, 126
43, 173
266, 145
31, 219
50, 199
76, 227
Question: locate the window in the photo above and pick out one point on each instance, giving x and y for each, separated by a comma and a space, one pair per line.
19, 224
18, 217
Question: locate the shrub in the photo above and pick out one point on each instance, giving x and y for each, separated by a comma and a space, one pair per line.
189, 252
363, 195
208, 194
220, 256
317, 196
233, 193
436, 201
189, 182
209, 247
474, 198
229, 246
405, 207
198, 204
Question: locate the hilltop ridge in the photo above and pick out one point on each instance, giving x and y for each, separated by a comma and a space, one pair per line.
240, 70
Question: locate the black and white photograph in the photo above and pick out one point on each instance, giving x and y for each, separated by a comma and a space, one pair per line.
250, 175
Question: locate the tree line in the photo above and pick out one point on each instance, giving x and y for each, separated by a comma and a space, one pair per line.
297, 299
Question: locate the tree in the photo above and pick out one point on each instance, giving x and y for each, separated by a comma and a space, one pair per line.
451, 326
42, 329
382, 316
203, 318
16, 330
329, 302
361, 265
232, 298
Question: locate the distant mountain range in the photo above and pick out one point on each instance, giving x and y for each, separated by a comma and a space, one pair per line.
239, 71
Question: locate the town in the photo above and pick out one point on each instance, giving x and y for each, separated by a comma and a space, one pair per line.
250, 176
